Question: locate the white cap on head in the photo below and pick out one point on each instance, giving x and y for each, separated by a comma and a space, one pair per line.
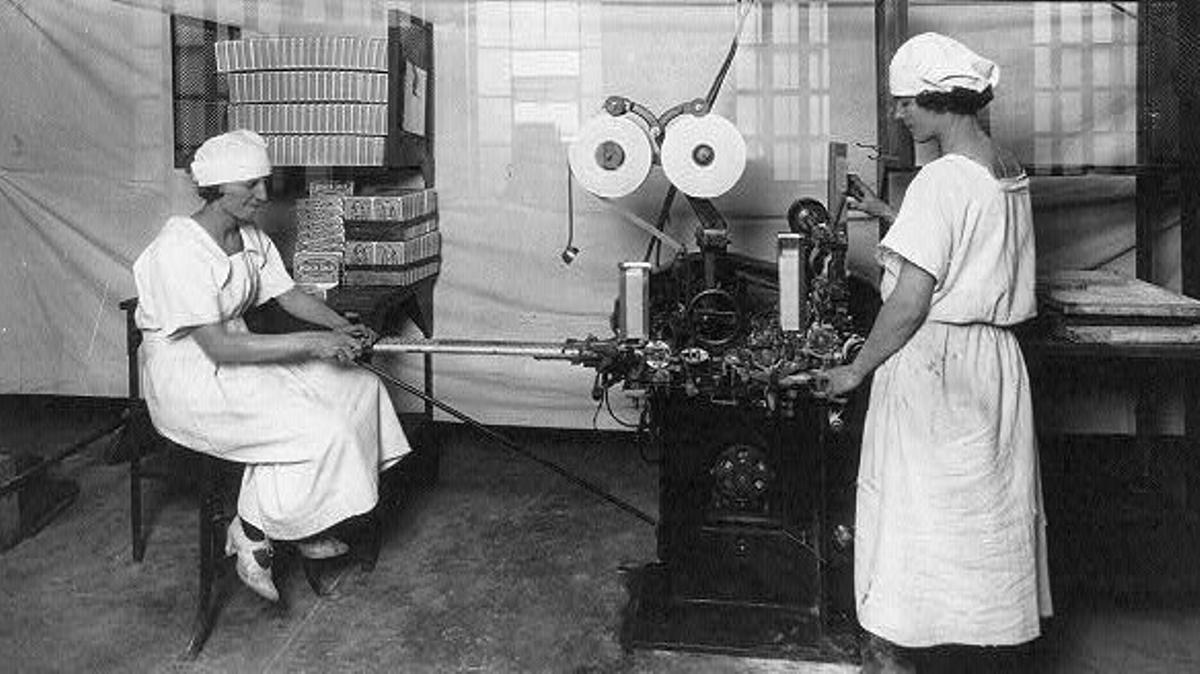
231, 157
934, 62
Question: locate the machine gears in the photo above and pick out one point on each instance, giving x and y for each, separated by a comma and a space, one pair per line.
713, 317
742, 480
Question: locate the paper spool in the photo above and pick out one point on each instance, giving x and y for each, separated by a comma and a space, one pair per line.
703, 156
611, 156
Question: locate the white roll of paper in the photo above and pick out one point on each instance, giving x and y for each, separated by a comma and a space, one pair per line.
703, 156
611, 156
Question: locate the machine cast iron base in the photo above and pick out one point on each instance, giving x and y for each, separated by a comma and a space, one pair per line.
653, 619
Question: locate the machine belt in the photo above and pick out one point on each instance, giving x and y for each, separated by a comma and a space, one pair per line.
509, 444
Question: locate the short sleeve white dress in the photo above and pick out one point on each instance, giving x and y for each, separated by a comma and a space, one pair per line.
314, 434
950, 543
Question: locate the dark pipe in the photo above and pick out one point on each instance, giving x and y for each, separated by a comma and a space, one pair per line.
20, 480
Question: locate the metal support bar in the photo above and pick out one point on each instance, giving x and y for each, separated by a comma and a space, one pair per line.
895, 145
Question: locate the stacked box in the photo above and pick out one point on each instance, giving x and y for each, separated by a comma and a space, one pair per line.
364, 240
319, 227
400, 208
307, 52
360, 119
317, 269
391, 240
391, 231
322, 187
307, 86
392, 253
320, 240
325, 150
380, 276
318, 100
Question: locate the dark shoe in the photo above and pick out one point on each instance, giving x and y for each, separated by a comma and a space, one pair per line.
322, 547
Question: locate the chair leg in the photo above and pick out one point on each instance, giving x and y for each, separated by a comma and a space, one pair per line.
313, 574
210, 551
135, 509
372, 541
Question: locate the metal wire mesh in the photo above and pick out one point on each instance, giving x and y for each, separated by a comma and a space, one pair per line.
1163, 70
200, 96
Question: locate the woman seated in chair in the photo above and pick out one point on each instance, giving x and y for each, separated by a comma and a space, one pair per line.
313, 431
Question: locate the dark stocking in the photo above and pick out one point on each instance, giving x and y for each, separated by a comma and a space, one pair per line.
252, 532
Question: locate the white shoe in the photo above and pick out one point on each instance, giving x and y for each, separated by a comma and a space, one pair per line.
253, 560
322, 547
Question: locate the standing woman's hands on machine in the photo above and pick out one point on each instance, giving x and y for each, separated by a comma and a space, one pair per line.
860, 197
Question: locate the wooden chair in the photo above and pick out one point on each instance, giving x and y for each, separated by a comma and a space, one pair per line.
214, 479
139, 441
211, 476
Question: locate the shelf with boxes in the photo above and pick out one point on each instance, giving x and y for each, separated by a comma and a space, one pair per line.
360, 251
349, 127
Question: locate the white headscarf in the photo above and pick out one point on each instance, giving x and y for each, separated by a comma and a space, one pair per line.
231, 157
934, 62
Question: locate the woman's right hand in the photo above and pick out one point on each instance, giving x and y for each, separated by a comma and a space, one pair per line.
336, 345
861, 197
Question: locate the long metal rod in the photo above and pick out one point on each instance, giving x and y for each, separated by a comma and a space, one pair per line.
20, 480
512, 446
539, 350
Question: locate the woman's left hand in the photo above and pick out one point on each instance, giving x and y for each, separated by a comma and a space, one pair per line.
837, 381
364, 334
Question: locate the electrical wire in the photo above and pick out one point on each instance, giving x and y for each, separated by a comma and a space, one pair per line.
570, 251
1118, 8
645, 436
620, 421
599, 404
570, 210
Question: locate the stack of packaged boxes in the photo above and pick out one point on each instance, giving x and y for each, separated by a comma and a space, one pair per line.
320, 235
364, 240
391, 240
317, 100
322, 101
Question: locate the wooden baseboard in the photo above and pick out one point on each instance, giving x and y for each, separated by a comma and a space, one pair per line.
42, 401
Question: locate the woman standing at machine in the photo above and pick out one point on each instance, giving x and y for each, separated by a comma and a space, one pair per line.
950, 544
313, 432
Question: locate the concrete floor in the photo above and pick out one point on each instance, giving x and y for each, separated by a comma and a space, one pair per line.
502, 567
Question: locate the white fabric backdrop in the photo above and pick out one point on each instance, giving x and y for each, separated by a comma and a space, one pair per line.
86, 175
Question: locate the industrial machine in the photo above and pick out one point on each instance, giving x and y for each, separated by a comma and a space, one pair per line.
754, 532
724, 351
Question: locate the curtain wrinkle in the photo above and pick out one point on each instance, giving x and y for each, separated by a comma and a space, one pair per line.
54, 315
83, 62
96, 243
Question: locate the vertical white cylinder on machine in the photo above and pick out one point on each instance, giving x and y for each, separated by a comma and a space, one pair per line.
633, 321
792, 282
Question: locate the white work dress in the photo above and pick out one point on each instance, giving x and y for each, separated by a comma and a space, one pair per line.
314, 434
950, 543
